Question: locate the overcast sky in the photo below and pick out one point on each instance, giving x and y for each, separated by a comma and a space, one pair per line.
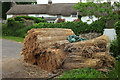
63, 1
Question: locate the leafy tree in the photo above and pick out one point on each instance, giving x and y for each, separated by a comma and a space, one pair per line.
7, 5
90, 9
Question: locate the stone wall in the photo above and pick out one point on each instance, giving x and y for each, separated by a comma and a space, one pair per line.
90, 35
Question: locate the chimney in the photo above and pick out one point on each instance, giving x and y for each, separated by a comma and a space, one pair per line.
13, 3
49, 1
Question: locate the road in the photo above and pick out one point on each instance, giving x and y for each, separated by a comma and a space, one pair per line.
13, 65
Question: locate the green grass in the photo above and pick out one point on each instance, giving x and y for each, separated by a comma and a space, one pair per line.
82, 73
18, 39
92, 73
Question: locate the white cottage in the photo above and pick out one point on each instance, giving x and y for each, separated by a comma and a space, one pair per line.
50, 12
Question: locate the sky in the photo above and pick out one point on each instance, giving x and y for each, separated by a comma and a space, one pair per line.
63, 1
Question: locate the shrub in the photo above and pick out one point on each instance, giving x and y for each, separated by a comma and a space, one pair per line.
76, 20
82, 73
10, 29
115, 45
114, 48
17, 28
36, 20
114, 72
60, 20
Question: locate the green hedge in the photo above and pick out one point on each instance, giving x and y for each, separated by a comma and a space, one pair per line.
77, 27
17, 28
10, 29
115, 45
36, 20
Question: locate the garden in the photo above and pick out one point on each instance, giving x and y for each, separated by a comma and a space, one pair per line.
16, 29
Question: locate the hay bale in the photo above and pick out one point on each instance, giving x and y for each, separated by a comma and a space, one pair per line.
41, 47
92, 53
49, 49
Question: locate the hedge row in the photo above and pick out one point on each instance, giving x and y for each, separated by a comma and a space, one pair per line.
18, 29
115, 45
77, 27
12, 27
36, 20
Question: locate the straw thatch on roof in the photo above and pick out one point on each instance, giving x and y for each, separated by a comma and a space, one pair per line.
65, 9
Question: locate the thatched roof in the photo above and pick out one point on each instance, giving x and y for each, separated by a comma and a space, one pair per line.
65, 9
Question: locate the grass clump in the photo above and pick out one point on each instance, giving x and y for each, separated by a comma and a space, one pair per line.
82, 73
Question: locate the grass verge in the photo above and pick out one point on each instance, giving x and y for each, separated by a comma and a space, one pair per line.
18, 39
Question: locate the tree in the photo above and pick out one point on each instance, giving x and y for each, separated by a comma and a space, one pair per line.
90, 9
7, 5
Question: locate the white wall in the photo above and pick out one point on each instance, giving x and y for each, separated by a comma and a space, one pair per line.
57, 1
68, 1
9, 16
40, 15
69, 18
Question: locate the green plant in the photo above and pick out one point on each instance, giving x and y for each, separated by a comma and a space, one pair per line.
114, 72
36, 20
115, 45
10, 29
82, 73
114, 49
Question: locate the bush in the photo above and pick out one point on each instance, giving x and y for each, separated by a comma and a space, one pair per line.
60, 20
114, 48
115, 45
114, 72
36, 20
17, 28
76, 20
10, 29
82, 73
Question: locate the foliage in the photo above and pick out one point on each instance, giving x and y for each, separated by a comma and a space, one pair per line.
114, 48
76, 20
10, 29
116, 45
36, 20
17, 28
114, 72
82, 73
60, 20
92, 73
90, 8
5, 7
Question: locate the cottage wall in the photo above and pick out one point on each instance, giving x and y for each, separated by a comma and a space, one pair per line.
9, 16
68, 18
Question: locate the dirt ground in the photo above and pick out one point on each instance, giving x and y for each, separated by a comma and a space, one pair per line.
17, 68
13, 66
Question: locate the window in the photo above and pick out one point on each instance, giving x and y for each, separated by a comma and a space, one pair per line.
37, 15
58, 16
74, 15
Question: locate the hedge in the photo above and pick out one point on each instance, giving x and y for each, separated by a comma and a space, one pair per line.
10, 29
115, 45
36, 20
17, 28
77, 27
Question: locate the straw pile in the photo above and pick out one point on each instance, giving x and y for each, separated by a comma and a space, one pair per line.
92, 53
49, 49
39, 50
